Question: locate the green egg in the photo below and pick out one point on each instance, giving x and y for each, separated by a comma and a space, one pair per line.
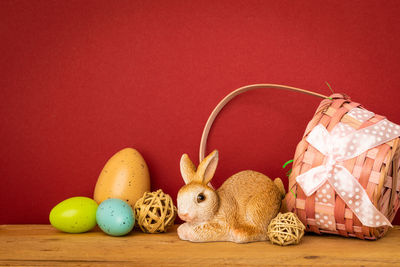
74, 215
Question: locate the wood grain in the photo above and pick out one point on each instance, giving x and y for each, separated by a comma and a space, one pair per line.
42, 245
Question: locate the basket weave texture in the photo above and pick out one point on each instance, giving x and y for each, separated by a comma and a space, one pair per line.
155, 212
377, 170
285, 229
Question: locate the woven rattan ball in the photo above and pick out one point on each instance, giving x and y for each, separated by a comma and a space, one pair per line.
285, 229
155, 212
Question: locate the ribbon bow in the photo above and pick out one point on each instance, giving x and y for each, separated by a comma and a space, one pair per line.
341, 144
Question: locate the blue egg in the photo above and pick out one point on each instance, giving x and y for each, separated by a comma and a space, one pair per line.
115, 217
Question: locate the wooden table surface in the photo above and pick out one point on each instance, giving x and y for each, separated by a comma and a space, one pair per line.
43, 245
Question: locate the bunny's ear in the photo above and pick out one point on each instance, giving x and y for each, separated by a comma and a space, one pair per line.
207, 167
188, 170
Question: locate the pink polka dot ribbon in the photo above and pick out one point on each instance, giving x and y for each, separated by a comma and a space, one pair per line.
341, 144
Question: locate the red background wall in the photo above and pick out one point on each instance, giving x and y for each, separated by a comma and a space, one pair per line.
81, 80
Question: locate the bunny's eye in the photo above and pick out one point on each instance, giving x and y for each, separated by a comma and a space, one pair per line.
200, 197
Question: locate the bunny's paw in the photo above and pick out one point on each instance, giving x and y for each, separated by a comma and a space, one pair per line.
239, 236
185, 232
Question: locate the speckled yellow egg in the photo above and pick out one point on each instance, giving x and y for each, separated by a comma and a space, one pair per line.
74, 215
125, 176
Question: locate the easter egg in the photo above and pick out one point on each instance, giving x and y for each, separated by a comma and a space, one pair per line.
125, 176
115, 217
74, 215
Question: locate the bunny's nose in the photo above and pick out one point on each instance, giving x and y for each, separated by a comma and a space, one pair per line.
184, 216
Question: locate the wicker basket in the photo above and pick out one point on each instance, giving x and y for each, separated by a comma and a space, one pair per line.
376, 171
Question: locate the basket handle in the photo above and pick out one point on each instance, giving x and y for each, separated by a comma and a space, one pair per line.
229, 97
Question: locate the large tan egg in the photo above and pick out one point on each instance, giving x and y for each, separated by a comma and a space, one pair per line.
125, 176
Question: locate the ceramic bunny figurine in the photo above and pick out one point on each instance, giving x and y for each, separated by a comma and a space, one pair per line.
239, 211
